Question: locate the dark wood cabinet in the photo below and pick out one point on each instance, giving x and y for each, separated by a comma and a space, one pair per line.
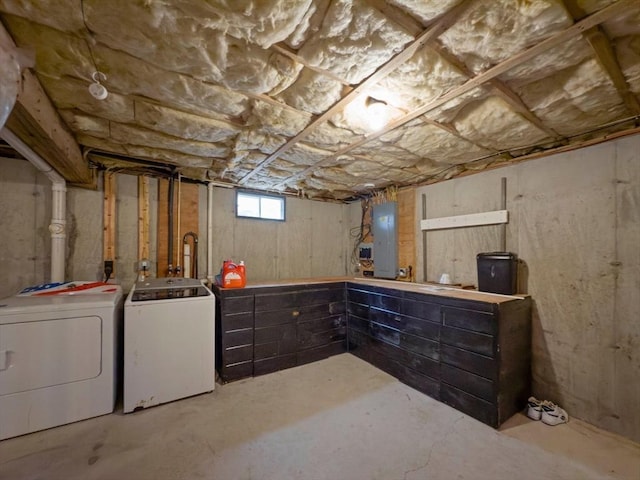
290, 325
470, 353
234, 334
473, 355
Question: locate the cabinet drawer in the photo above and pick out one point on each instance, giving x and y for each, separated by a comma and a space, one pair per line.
419, 363
321, 331
261, 367
237, 371
235, 355
469, 320
471, 362
358, 296
237, 304
312, 312
358, 310
280, 339
468, 382
411, 325
475, 342
318, 353
297, 298
469, 404
422, 310
412, 343
237, 338
236, 321
276, 317
385, 302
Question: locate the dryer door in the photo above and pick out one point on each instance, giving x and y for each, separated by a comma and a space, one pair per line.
45, 353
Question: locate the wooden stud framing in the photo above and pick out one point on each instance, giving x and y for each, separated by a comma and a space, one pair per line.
143, 217
109, 219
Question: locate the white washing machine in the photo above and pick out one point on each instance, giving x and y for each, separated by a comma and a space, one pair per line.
169, 341
58, 356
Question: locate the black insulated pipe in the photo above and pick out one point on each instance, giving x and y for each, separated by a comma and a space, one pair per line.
170, 228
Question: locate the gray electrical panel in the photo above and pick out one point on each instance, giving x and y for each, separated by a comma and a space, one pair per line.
385, 240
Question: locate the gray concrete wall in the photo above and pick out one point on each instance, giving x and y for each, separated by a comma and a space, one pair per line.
25, 213
575, 223
312, 242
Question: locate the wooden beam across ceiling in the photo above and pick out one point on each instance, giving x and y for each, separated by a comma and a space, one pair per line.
36, 122
606, 57
433, 31
477, 81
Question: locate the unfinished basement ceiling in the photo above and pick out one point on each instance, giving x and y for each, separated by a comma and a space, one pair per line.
321, 97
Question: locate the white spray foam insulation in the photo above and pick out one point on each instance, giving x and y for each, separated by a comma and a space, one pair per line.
303, 154
277, 120
438, 145
312, 92
624, 24
182, 124
188, 83
565, 55
492, 118
575, 99
628, 50
354, 40
424, 77
491, 31
425, 10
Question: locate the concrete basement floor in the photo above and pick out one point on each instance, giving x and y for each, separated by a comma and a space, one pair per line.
340, 418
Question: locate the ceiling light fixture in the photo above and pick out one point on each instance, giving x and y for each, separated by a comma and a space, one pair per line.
96, 89
378, 113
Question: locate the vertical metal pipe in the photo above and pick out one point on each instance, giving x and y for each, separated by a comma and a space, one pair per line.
503, 206
424, 239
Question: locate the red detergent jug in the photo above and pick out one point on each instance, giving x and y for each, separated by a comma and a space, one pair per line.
233, 276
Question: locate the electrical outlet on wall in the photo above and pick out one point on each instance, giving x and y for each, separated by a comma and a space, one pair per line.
402, 272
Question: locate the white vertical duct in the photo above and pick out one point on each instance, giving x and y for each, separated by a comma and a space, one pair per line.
57, 227
210, 273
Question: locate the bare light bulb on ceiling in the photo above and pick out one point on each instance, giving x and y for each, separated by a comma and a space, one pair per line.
96, 89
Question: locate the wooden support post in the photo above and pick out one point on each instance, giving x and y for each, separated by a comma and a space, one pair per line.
109, 220
143, 217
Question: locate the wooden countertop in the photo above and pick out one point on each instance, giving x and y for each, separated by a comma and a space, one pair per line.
431, 289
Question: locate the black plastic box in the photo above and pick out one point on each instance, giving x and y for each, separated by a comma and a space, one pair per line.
498, 272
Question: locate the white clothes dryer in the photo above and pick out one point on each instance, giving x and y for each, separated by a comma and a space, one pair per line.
58, 352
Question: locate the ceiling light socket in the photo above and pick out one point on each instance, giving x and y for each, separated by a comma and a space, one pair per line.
96, 89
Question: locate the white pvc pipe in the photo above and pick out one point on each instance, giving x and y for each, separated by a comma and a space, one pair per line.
210, 274
57, 227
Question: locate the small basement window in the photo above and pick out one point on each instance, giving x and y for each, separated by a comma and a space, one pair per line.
256, 205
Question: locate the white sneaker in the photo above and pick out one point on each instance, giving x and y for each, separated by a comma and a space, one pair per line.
534, 408
552, 414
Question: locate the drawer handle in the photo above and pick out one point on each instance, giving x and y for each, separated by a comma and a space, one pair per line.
295, 313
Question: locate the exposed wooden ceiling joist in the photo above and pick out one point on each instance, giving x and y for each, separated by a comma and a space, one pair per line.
36, 122
479, 80
601, 46
433, 31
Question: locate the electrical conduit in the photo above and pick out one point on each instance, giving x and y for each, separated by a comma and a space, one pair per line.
57, 227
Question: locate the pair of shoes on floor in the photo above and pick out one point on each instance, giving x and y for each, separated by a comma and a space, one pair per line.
548, 412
